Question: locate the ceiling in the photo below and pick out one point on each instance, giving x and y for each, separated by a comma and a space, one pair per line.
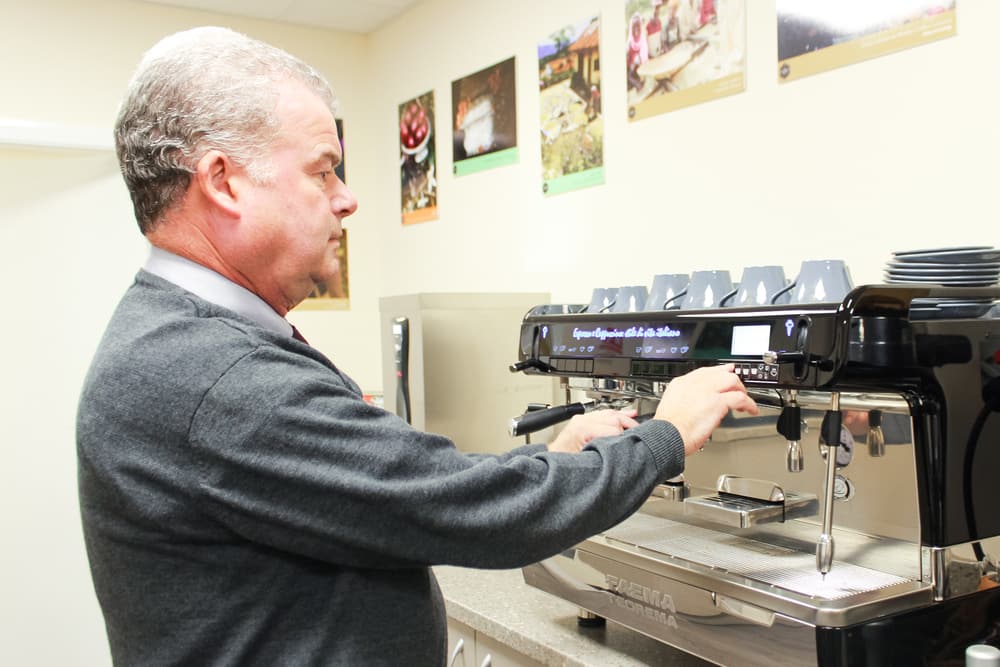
361, 16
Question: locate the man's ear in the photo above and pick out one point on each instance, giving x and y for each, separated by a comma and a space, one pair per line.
218, 180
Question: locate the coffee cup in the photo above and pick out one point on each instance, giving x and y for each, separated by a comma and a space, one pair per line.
758, 285
819, 281
601, 299
630, 299
665, 290
707, 289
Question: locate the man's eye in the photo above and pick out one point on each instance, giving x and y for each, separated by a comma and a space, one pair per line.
323, 175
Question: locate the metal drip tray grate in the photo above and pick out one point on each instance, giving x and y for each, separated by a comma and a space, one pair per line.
779, 566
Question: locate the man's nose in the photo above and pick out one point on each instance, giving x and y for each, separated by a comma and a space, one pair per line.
344, 203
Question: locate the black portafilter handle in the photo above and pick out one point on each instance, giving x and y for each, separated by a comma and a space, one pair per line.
536, 420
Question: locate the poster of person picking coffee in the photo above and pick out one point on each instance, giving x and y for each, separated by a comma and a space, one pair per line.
679, 53
816, 36
417, 179
569, 84
484, 119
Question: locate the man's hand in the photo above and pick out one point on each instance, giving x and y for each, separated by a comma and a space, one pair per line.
581, 429
856, 422
697, 402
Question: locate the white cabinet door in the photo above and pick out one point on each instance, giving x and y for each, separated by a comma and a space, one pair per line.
461, 645
491, 653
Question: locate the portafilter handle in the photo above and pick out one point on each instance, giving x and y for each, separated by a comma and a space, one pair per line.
536, 420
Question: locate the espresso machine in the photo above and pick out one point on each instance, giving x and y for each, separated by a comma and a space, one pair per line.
849, 524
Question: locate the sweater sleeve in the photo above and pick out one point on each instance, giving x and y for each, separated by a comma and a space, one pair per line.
289, 456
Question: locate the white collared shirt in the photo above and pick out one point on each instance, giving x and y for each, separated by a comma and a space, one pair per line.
215, 288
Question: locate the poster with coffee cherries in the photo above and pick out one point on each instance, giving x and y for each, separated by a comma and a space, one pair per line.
816, 35
679, 53
484, 119
572, 129
417, 179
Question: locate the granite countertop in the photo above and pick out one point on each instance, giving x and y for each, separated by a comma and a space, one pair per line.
498, 603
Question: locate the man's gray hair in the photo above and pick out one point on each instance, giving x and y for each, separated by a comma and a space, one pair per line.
195, 91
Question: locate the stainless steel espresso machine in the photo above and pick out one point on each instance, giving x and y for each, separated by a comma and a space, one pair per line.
849, 524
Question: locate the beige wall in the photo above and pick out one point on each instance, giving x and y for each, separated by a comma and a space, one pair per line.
893, 153
69, 248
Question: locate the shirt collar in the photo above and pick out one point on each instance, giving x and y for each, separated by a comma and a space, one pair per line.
215, 288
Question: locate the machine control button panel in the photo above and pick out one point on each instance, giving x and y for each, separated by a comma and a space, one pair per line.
749, 371
573, 365
757, 371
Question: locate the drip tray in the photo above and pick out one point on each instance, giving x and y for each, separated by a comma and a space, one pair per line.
742, 512
786, 568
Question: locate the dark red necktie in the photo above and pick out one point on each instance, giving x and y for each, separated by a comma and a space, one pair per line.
298, 336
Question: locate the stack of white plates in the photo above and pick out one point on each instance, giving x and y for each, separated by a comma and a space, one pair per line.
971, 266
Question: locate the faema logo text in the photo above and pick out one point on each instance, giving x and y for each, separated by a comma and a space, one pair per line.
642, 600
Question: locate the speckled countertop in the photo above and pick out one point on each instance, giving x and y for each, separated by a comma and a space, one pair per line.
499, 604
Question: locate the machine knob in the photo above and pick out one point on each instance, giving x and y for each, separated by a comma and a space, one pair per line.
773, 357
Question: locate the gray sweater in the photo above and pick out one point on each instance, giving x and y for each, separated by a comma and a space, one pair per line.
242, 505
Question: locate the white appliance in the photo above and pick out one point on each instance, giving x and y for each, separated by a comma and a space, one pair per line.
450, 354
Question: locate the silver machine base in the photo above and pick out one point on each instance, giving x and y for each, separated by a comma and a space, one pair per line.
728, 598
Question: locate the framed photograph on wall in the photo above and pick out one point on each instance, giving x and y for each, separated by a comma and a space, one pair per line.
417, 158
815, 37
572, 128
679, 53
484, 119
335, 293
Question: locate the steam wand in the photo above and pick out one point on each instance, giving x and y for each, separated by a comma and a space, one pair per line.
824, 547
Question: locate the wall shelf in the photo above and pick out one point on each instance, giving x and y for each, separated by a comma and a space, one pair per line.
30, 134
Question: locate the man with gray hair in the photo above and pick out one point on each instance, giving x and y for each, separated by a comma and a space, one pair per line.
241, 503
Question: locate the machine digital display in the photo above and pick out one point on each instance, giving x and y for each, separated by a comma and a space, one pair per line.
617, 339
750, 340
653, 340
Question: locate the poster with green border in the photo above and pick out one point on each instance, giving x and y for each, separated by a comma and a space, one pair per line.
570, 120
484, 119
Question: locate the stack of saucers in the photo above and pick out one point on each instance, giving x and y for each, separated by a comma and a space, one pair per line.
969, 266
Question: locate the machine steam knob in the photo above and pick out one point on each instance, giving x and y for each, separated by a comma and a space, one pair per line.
799, 360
